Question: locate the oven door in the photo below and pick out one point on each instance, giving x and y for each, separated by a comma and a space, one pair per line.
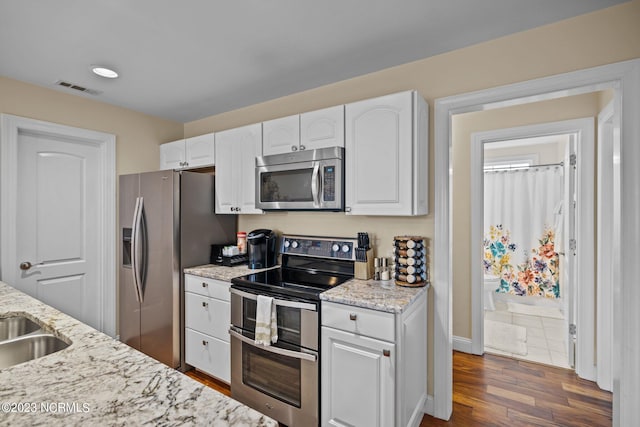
309, 185
297, 320
280, 380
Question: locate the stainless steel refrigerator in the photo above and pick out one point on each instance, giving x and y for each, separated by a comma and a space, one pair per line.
166, 224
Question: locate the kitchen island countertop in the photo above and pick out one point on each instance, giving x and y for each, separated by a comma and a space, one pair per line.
99, 381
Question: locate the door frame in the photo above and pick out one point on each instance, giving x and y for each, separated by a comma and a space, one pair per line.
10, 127
624, 78
604, 291
584, 301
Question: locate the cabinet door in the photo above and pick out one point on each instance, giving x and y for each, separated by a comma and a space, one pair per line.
250, 148
200, 151
172, 155
358, 380
226, 153
322, 128
378, 155
208, 354
281, 135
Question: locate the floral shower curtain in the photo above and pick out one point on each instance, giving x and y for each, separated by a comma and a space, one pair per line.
522, 220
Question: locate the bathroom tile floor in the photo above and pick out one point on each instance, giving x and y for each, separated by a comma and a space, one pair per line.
546, 337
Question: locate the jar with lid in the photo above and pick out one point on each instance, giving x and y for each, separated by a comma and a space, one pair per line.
242, 242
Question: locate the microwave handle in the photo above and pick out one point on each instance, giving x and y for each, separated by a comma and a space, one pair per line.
315, 184
282, 303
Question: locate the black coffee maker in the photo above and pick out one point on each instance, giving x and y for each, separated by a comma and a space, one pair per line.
261, 247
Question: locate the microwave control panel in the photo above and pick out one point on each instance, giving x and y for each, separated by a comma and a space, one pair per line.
329, 184
324, 247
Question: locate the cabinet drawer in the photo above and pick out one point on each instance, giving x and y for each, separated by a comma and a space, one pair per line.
207, 287
208, 354
208, 315
372, 323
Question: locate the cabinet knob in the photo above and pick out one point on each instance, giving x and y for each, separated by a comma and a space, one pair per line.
294, 148
205, 343
302, 147
205, 304
353, 316
386, 353
205, 284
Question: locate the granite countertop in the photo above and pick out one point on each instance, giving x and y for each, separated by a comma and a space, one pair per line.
221, 272
374, 294
98, 381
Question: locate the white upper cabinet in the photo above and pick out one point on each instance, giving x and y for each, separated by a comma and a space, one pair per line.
172, 155
386, 155
281, 135
194, 152
308, 131
235, 152
322, 128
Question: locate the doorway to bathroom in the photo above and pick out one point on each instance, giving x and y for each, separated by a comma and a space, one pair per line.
534, 193
528, 228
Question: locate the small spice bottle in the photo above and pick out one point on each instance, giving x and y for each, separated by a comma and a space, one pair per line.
242, 242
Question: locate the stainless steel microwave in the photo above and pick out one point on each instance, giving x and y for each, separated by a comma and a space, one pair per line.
301, 180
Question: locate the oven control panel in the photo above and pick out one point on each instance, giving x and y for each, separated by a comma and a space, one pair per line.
323, 247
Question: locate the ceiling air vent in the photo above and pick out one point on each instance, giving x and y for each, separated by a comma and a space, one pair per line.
78, 87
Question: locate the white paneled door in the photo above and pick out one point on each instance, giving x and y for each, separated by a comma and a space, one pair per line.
58, 253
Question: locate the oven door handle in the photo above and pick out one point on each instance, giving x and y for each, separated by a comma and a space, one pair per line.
276, 350
280, 302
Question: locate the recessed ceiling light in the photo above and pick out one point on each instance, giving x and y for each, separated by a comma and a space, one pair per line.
104, 71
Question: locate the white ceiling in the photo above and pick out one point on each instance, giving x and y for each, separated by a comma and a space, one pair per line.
184, 60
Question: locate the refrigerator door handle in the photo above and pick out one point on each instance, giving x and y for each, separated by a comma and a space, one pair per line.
136, 248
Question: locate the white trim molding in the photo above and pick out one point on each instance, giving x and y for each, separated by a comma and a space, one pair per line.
463, 344
11, 126
624, 79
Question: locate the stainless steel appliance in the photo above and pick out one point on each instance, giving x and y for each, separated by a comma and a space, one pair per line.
261, 246
166, 224
282, 380
302, 180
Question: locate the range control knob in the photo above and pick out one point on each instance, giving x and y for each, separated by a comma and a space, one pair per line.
345, 248
294, 244
287, 243
335, 247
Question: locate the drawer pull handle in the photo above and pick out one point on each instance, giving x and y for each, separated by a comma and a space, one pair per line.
205, 304
353, 316
205, 343
386, 353
204, 284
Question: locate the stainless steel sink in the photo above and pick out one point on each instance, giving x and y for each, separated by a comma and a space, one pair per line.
11, 327
28, 347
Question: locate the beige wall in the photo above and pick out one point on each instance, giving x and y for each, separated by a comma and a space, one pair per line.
598, 38
137, 135
546, 153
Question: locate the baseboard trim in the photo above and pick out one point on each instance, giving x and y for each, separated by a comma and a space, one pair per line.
428, 405
462, 344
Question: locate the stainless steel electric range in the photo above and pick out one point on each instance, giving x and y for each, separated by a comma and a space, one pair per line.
283, 380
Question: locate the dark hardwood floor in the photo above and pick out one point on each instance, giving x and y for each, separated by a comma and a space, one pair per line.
498, 391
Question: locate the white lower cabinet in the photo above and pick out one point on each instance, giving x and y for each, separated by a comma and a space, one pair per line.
207, 319
373, 365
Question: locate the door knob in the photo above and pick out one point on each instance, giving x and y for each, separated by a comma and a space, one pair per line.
26, 265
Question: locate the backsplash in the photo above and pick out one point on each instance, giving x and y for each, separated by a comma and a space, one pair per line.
381, 229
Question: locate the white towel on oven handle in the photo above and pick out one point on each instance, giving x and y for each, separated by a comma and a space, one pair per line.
266, 321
